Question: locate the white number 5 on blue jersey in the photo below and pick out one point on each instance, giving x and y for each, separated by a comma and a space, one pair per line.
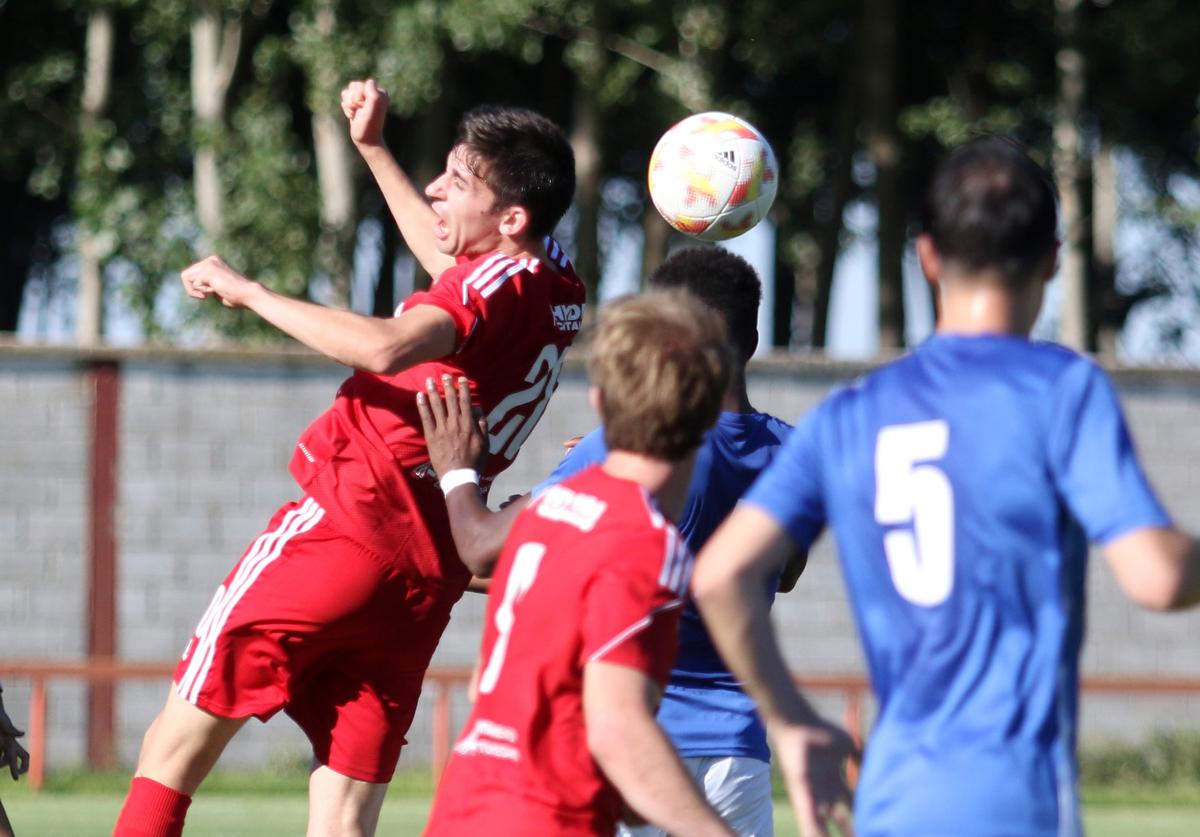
916, 495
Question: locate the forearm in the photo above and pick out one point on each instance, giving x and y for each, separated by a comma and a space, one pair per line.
643, 766
479, 533
408, 207
370, 343
1182, 566
1158, 567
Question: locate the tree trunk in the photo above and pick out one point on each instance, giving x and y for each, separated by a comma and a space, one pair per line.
433, 134
97, 87
656, 235
1106, 325
880, 107
1073, 326
829, 222
335, 173
385, 285
215, 48
587, 142
336, 180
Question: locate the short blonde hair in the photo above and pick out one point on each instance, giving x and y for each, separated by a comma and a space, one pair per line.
661, 362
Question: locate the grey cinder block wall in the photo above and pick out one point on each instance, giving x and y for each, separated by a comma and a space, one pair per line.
204, 441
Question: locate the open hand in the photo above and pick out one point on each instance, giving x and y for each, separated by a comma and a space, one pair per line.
812, 759
365, 104
455, 435
212, 277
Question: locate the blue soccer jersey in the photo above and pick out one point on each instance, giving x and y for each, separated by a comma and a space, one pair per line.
963, 483
704, 711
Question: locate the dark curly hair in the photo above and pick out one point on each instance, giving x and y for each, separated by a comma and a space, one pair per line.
721, 280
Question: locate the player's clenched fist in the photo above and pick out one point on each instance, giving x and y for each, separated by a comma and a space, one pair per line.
211, 276
365, 104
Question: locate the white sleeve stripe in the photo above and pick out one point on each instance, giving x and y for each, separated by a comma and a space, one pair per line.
500, 280
635, 628
683, 569
668, 560
484, 272
656, 519
489, 266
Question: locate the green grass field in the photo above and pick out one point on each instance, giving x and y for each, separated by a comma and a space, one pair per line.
222, 814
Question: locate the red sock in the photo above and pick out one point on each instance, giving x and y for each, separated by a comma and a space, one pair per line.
152, 810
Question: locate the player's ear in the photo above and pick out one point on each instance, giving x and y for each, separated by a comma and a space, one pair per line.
514, 221
930, 260
594, 399
1049, 265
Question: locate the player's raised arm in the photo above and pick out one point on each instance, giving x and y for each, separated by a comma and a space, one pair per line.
365, 106
630, 747
731, 571
381, 345
1157, 567
457, 450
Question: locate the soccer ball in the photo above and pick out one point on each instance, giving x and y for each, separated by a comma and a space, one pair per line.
713, 176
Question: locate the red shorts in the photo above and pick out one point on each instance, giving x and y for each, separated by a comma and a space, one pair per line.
313, 623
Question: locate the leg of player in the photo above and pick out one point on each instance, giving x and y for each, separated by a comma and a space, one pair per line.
339, 806
179, 749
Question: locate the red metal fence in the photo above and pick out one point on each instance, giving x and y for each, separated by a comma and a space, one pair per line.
100, 671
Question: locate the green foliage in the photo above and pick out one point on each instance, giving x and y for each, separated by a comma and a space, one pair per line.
794, 69
1166, 759
271, 208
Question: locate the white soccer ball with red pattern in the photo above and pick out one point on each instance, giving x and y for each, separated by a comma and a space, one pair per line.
713, 176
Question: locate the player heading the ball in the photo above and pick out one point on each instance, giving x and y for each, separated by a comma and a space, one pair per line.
963, 482
334, 611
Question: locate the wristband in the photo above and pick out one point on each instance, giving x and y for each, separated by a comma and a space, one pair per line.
459, 476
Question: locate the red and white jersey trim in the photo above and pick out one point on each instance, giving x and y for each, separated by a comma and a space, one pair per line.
639, 625
266, 549
677, 563
499, 268
490, 275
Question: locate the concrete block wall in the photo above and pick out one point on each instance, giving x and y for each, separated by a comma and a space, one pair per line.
203, 446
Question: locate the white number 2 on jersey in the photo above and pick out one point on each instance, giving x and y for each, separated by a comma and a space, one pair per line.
520, 579
911, 493
508, 429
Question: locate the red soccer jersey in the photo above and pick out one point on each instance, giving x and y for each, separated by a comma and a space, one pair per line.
363, 458
591, 571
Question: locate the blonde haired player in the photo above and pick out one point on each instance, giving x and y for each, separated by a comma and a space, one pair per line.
583, 610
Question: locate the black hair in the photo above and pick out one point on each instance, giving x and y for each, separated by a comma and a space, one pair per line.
721, 280
525, 160
990, 205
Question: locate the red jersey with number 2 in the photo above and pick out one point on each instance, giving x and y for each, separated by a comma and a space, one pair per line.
364, 457
590, 572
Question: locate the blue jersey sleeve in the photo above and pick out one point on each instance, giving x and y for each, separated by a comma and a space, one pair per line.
790, 489
591, 450
1095, 466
